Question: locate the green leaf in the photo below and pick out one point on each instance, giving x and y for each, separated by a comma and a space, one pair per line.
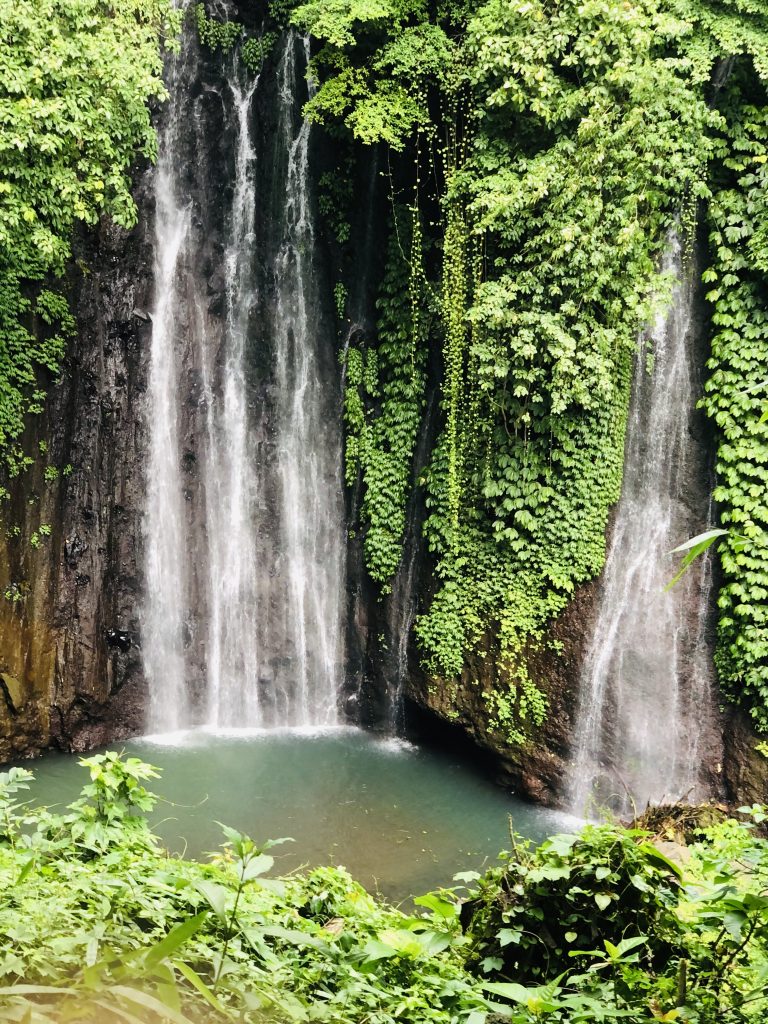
733, 922
256, 866
173, 940
510, 990
149, 1002
692, 549
438, 904
197, 982
215, 895
653, 853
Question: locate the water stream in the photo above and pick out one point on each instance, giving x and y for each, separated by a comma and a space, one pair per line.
645, 688
230, 498
165, 520
312, 536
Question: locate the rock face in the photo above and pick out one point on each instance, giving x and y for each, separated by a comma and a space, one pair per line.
70, 567
72, 556
745, 762
537, 768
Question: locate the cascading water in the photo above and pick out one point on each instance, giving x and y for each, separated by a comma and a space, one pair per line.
230, 499
241, 622
165, 520
309, 445
645, 690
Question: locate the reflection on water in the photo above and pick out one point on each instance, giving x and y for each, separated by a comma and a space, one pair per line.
401, 819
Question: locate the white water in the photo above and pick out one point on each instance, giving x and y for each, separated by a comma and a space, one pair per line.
164, 521
312, 539
239, 632
645, 684
229, 480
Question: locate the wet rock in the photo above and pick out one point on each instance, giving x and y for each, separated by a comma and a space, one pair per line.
13, 692
120, 639
745, 767
535, 769
216, 282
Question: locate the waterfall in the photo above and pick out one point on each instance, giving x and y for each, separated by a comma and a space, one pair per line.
163, 614
244, 526
230, 498
309, 445
645, 688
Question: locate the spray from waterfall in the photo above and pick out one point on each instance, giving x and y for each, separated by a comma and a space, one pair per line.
646, 681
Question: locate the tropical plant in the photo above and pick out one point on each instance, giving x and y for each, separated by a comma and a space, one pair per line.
541, 154
596, 926
76, 80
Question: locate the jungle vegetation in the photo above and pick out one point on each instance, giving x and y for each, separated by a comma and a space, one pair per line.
539, 154
100, 924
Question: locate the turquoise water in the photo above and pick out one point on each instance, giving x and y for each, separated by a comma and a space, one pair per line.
402, 819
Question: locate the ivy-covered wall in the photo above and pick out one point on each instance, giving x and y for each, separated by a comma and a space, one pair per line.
737, 390
536, 155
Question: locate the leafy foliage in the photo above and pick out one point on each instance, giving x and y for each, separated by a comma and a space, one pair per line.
378, 60
75, 81
592, 927
738, 388
127, 928
223, 35
539, 906
550, 149
383, 402
216, 34
647, 938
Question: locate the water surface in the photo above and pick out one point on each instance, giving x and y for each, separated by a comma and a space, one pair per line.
402, 819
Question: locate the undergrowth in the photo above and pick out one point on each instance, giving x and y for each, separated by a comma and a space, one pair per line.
100, 924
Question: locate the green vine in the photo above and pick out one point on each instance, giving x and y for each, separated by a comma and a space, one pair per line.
256, 49
215, 34
75, 83
737, 391
223, 36
383, 407
455, 304
575, 135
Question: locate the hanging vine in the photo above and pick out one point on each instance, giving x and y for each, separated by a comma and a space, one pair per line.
737, 394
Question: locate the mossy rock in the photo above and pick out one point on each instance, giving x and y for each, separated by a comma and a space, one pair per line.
14, 690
